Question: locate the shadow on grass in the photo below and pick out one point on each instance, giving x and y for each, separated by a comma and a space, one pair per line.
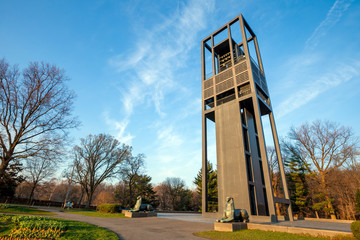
6, 227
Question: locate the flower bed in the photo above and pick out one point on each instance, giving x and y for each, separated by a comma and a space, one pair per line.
31, 227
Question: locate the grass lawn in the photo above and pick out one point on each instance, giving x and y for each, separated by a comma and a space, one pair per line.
258, 235
21, 209
81, 230
94, 213
75, 230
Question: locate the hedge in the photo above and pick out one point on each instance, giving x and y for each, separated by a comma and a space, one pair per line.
108, 208
355, 228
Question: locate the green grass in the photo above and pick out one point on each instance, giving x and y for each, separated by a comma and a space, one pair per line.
259, 235
81, 230
93, 213
75, 230
23, 210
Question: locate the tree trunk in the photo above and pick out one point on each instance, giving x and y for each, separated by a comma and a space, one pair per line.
327, 196
130, 199
81, 196
52, 193
32, 193
89, 196
4, 164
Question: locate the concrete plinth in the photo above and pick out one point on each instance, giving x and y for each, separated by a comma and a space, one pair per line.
139, 214
229, 227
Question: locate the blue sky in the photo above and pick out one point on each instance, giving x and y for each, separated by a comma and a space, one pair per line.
135, 65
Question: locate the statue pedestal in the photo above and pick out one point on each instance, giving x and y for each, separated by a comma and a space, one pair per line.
139, 214
229, 227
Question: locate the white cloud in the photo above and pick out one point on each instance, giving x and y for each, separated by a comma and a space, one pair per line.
119, 127
151, 67
174, 154
168, 138
307, 71
333, 16
158, 54
333, 78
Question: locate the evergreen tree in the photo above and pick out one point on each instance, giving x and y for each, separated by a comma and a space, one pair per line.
296, 174
144, 188
140, 186
211, 187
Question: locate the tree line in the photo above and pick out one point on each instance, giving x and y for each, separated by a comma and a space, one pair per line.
169, 195
35, 118
36, 114
322, 170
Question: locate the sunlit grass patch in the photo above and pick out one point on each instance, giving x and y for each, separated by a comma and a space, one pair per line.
93, 213
5, 208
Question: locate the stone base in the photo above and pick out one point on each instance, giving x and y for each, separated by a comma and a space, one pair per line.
229, 227
139, 214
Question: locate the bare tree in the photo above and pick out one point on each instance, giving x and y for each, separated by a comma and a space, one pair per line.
343, 187
37, 170
163, 197
178, 195
96, 159
104, 194
131, 169
274, 172
35, 112
325, 146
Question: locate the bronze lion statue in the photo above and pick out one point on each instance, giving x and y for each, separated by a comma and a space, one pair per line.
142, 207
233, 215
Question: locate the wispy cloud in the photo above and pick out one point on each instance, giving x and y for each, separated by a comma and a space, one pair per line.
333, 16
175, 153
154, 69
331, 79
158, 54
308, 68
119, 127
153, 62
169, 138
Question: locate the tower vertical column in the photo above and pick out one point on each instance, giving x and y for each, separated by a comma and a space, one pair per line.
235, 98
204, 137
281, 165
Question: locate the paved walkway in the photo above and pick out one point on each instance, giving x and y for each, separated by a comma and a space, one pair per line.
142, 228
178, 225
333, 226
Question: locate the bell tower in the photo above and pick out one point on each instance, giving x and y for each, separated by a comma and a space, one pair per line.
235, 97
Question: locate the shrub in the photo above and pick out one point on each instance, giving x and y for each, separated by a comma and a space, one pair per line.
357, 201
355, 228
108, 208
